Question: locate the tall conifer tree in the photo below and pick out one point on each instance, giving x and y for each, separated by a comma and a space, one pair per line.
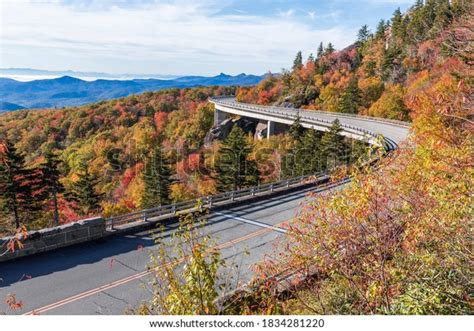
17, 185
351, 98
234, 168
50, 183
84, 192
320, 50
333, 147
298, 62
157, 178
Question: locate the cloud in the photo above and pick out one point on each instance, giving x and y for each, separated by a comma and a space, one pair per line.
167, 37
287, 13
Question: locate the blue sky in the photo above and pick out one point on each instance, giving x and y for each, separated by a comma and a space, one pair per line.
176, 37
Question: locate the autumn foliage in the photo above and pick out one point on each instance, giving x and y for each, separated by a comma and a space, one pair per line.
397, 240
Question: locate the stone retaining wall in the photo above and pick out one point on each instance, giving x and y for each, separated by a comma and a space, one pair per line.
53, 238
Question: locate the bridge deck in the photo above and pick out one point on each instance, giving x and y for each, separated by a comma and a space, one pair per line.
396, 131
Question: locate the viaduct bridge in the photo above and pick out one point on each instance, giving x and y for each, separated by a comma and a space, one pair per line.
353, 126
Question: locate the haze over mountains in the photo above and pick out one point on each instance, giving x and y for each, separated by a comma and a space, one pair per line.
70, 91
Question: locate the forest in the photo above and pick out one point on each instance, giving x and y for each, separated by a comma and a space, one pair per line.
114, 157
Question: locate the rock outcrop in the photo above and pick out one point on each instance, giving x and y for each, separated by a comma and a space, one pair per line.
221, 131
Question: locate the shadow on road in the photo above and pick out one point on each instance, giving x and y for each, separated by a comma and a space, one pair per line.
92, 252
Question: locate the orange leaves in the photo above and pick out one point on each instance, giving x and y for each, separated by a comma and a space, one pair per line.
17, 240
13, 303
189, 165
160, 119
3, 147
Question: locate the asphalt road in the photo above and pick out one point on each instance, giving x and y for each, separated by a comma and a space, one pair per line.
110, 276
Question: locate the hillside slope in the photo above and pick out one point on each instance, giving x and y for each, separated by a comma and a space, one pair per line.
397, 240
376, 74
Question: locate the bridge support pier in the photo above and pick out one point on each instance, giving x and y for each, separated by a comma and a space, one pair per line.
219, 117
270, 129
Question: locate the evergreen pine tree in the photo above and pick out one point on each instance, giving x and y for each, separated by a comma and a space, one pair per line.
17, 185
390, 56
429, 13
397, 24
320, 50
292, 160
310, 58
443, 16
381, 28
333, 147
296, 129
157, 179
329, 49
84, 192
298, 62
50, 183
233, 167
416, 25
350, 100
310, 161
364, 34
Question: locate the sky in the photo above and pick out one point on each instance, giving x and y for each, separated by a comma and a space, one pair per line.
178, 37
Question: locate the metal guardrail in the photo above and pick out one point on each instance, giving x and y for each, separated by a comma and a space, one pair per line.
230, 100
208, 201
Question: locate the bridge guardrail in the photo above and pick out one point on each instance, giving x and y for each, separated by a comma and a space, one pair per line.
207, 201
231, 100
288, 116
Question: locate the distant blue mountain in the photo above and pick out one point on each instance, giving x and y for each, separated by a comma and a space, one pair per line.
70, 91
8, 106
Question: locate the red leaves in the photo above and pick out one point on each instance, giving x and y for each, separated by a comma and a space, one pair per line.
189, 165
130, 174
13, 303
161, 119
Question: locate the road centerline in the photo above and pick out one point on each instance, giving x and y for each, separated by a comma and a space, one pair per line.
249, 221
136, 276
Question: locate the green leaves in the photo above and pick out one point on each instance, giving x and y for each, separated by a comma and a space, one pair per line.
233, 167
186, 277
84, 193
18, 185
157, 179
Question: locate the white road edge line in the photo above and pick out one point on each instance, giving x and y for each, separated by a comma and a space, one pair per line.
245, 220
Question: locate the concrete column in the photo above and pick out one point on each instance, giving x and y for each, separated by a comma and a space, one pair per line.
219, 116
270, 129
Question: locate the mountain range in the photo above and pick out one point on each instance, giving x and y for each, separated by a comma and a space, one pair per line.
69, 91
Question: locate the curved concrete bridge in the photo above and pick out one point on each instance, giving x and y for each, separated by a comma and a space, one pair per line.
353, 126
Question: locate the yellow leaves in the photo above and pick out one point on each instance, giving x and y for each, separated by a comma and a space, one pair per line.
391, 104
180, 192
329, 96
